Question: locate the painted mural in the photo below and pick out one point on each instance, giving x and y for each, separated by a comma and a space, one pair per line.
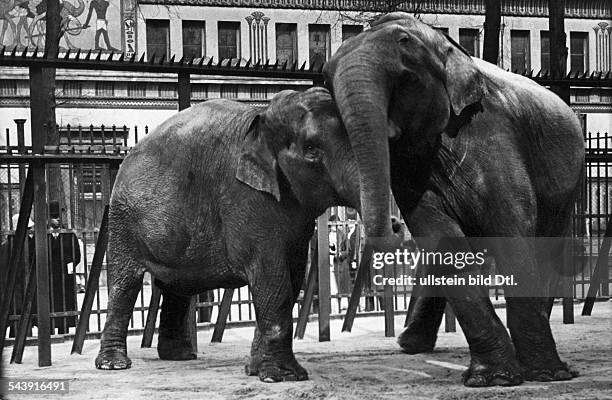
85, 24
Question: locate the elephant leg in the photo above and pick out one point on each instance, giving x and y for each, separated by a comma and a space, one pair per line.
275, 291
528, 317
493, 361
424, 319
125, 275
174, 342
533, 340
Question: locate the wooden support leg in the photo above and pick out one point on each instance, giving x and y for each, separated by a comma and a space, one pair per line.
26, 316
18, 244
149, 330
449, 319
311, 287
324, 277
351, 311
92, 285
601, 270
224, 310
192, 323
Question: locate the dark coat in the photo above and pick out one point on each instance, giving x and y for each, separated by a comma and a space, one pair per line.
63, 249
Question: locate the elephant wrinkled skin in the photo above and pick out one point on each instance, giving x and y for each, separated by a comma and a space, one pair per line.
224, 195
469, 150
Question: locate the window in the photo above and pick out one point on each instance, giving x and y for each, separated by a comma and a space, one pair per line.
468, 38
229, 91
348, 31
8, 87
519, 51
137, 89
286, 43
106, 89
579, 44
318, 43
229, 40
194, 43
167, 89
72, 88
158, 38
545, 51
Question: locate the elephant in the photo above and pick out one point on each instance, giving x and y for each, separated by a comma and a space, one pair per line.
225, 194
467, 150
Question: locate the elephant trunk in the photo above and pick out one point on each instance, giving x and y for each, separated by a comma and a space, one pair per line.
363, 103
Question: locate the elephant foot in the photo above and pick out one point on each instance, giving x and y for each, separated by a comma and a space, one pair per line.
113, 359
175, 349
414, 343
562, 372
481, 375
271, 371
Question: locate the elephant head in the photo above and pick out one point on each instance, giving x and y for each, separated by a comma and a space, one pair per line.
399, 80
298, 147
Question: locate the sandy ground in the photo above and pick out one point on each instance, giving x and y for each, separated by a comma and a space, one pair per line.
362, 364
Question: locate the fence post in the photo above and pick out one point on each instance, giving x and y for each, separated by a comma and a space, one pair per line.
324, 284
39, 133
21, 150
184, 101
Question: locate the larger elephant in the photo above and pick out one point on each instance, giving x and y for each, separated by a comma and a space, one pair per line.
224, 195
469, 150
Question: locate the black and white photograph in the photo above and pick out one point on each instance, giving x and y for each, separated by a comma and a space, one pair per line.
305, 199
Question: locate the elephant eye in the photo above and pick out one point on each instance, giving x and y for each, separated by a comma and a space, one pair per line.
312, 153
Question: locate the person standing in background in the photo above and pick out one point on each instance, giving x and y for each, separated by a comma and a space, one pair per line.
65, 253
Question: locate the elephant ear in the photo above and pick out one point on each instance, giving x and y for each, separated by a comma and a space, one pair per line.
464, 82
257, 164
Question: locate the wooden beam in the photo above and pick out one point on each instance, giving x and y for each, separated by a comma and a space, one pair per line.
17, 250
92, 284
311, 287
149, 329
26, 316
324, 275
600, 272
450, 324
224, 310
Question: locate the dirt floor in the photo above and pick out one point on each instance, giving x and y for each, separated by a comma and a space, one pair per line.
358, 365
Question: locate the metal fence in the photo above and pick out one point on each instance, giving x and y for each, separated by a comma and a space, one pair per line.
82, 191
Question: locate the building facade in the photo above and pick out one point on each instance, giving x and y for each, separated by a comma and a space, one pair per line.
292, 32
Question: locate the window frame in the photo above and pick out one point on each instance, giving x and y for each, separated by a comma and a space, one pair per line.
234, 26
293, 34
151, 25
200, 26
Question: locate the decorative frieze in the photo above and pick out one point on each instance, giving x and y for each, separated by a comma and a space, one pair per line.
597, 9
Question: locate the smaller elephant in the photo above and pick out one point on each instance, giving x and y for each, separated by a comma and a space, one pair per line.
225, 195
